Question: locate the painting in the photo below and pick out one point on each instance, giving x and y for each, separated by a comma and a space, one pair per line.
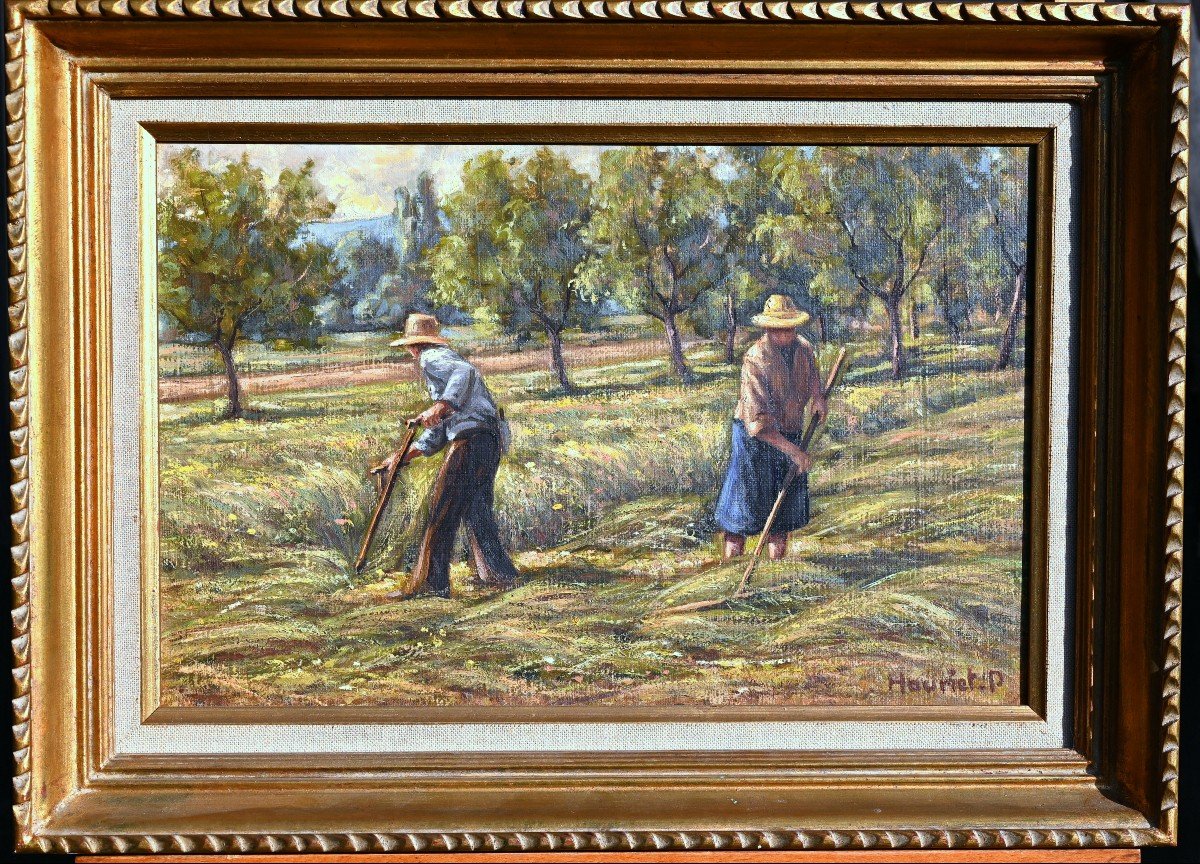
610, 425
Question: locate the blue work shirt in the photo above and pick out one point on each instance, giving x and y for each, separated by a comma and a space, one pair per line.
453, 380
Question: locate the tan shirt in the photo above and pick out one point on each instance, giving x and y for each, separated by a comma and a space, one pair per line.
772, 396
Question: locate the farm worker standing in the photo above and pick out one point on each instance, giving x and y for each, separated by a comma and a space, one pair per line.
780, 379
465, 421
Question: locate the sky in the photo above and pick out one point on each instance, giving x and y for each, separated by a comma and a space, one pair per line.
361, 179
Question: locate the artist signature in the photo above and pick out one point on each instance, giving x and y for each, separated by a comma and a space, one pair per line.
953, 682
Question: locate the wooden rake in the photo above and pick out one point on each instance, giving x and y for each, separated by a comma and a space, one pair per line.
740, 593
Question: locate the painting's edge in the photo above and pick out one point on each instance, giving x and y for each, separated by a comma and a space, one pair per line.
1175, 17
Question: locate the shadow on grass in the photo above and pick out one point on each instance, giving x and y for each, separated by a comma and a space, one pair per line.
863, 570
577, 572
278, 413
302, 411
641, 383
582, 391
878, 369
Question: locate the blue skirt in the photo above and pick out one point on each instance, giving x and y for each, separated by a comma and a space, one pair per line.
755, 476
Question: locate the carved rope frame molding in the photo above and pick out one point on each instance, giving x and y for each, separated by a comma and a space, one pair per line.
812, 14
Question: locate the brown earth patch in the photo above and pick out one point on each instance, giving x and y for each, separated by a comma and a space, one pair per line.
192, 388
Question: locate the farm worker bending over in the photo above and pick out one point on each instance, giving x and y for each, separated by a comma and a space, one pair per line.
779, 379
465, 420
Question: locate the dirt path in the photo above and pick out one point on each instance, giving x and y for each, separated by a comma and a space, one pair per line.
189, 389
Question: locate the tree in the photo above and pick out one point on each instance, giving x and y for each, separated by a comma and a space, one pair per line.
369, 266
418, 229
232, 263
949, 284
659, 228
749, 193
800, 244
870, 217
953, 271
1004, 181
516, 242
773, 250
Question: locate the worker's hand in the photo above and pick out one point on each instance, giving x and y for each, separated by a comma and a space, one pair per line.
395, 459
387, 464
800, 459
819, 407
434, 414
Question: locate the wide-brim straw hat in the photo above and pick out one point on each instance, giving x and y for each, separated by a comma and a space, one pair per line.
780, 312
420, 329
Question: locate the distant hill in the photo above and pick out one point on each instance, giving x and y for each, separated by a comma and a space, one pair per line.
382, 228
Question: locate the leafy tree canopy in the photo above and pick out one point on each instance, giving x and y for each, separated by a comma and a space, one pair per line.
231, 261
516, 242
661, 227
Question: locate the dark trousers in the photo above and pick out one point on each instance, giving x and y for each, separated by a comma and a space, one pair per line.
464, 491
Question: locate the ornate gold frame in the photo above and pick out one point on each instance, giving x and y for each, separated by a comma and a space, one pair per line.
1125, 66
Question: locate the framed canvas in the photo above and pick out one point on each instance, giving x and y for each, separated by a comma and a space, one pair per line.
559, 425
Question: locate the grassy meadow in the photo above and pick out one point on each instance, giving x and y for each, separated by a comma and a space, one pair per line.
908, 576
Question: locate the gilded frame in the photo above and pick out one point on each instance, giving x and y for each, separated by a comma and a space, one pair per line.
1125, 66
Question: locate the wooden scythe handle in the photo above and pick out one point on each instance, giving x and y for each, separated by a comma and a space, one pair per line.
385, 494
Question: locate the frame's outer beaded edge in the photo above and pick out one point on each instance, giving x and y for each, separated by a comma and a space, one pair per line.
14, 69
1176, 351
597, 841
1069, 12
795, 11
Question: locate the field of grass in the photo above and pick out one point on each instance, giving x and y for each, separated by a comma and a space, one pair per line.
908, 575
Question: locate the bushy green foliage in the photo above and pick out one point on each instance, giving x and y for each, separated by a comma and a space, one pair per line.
365, 291
516, 242
659, 233
887, 239
870, 218
419, 227
230, 260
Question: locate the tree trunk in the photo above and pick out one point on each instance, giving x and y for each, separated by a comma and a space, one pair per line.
235, 393
731, 327
1015, 310
675, 347
897, 334
558, 366
914, 321
821, 327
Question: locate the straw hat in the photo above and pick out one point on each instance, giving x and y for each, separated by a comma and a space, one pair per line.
780, 312
420, 329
